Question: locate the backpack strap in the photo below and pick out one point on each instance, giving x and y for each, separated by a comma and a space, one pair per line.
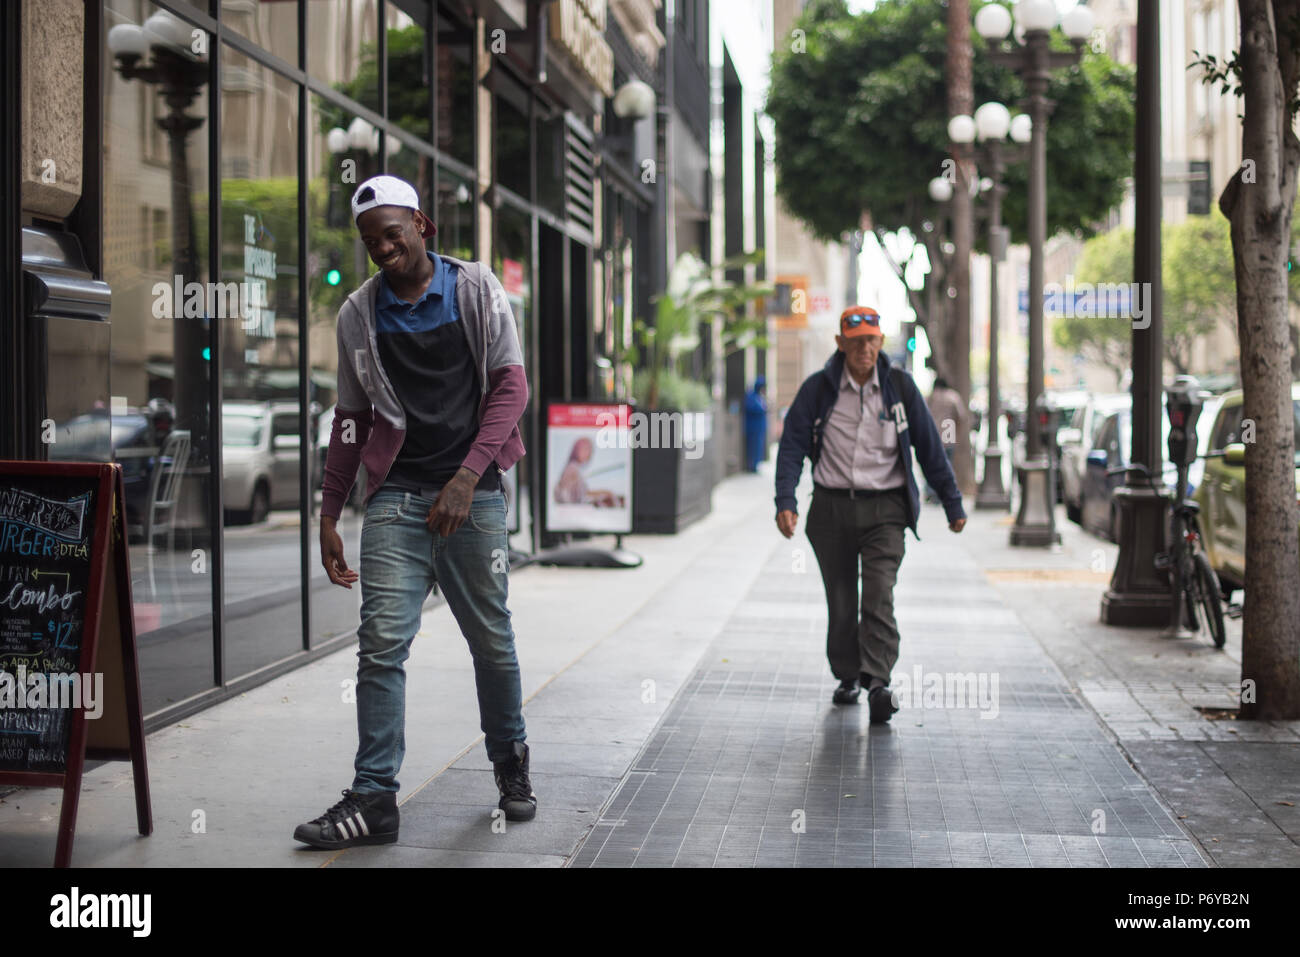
901, 382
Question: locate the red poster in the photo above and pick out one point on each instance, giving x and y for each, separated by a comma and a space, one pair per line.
512, 276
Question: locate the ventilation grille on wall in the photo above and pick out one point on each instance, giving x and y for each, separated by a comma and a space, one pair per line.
579, 174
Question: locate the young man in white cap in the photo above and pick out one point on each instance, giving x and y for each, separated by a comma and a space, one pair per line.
431, 388
858, 420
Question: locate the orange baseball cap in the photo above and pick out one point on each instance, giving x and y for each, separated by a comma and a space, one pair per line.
859, 321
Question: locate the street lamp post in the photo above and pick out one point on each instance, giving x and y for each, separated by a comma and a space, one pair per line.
1139, 593
1036, 521
180, 75
939, 250
992, 123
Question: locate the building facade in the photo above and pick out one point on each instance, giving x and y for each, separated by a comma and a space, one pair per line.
192, 163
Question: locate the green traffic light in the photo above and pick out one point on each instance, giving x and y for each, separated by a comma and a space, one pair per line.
333, 277
207, 354
911, 343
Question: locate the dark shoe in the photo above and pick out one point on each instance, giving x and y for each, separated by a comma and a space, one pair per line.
517, 797
368, 817
847, 692
881, 702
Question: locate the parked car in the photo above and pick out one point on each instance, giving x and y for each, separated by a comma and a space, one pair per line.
260, 443
128, 439
1097, 511
1080, 438
1222, 493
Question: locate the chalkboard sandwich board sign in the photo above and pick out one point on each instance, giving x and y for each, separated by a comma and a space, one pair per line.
69, 678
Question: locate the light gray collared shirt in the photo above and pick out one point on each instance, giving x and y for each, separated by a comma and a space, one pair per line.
860, 440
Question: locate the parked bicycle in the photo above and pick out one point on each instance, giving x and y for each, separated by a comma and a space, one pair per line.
1193, 582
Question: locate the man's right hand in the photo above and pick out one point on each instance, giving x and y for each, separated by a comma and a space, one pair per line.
786, 521
331, 555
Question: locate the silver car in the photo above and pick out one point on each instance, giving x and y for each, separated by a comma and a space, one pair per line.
260, 445
1079, 438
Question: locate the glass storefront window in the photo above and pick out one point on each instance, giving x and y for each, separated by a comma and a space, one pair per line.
342, 40
262, 418
454, 83
156, 193
272, 26
410, 73
510, 141
417, 169
512, 259
454, 215
550, 165
337, 265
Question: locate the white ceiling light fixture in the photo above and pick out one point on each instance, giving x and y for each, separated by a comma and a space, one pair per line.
634, 99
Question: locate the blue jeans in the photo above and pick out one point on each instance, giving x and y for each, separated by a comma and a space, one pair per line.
400, 562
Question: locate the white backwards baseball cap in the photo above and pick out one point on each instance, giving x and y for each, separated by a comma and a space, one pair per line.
388, 191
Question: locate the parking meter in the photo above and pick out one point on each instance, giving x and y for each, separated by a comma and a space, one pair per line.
1184, 404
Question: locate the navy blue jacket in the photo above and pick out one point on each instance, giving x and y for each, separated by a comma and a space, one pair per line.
805, 421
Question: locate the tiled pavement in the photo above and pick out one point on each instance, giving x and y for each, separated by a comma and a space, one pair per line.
685, 705
1233, 785
753, 766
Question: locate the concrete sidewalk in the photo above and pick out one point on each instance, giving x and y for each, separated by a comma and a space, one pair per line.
602, 652
992, 760
680, 713
1233, 785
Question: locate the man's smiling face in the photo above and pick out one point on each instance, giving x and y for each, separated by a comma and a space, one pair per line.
393, 240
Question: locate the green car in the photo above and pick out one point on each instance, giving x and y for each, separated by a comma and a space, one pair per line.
1222, 492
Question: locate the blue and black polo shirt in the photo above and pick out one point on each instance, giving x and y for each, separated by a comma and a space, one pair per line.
426, 356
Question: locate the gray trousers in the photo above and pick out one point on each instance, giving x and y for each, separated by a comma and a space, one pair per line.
844, 533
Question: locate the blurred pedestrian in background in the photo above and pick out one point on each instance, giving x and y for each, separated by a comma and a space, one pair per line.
756, 424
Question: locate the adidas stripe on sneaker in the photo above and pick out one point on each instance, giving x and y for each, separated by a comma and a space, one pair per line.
360, 818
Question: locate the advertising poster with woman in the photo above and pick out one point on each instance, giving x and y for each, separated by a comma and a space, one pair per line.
589, 468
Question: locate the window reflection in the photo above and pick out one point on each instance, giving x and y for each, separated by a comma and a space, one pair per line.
454, 215
342, 37
261, 417
272, 26
337, 265
156, 190
410, 73
455, 87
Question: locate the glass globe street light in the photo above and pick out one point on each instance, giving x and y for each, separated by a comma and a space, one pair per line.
940, 190
993, 122
1033, 59
161, 54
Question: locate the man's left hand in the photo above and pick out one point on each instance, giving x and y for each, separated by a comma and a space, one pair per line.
958, 525
451, 507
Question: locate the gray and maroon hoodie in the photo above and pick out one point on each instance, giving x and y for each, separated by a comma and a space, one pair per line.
367, 399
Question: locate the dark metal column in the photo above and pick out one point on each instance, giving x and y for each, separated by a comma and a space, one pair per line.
1138, 594
16, 427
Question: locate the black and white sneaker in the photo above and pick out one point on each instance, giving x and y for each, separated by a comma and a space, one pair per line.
517, 797
368, 817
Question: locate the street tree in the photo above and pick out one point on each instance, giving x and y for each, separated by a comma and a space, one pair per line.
1199, 293
860, 110
1259, 202
1106, 342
